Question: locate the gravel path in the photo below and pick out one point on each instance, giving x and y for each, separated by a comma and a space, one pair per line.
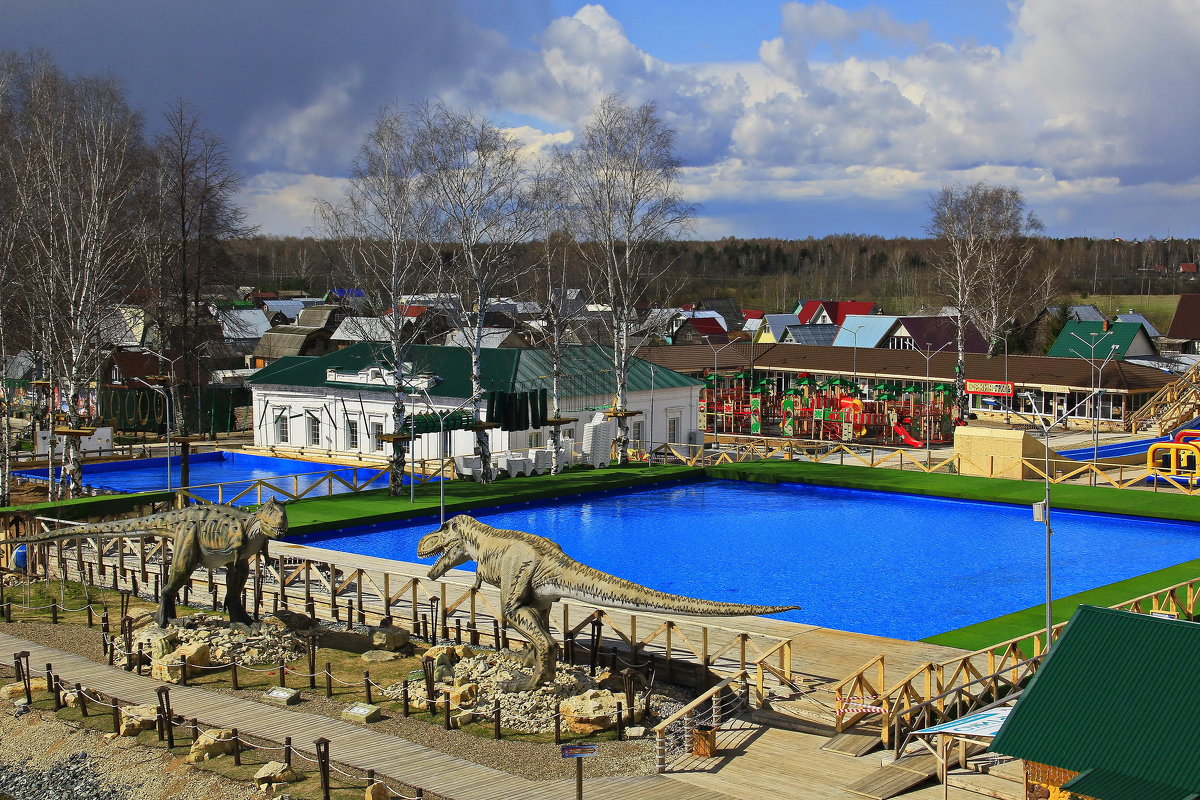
42, 757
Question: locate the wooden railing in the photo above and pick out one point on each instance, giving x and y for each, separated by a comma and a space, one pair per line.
682, 721
1174, 404
325, 585
1005, 664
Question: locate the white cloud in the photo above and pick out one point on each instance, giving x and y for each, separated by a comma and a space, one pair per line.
298, 137
282, 202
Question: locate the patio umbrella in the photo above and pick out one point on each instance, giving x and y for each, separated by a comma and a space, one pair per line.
834, 383
889, 389
852, 389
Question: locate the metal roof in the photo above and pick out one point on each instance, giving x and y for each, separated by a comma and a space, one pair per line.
242, 323
1137, 318
586, 369
1121, 334
871, 328
1115, 695
810, 334
363, 329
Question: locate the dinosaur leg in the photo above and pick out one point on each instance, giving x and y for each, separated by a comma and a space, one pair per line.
183, 561
531, 656
235, 581
529, 622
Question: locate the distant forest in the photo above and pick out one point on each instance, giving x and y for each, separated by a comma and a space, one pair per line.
771, 274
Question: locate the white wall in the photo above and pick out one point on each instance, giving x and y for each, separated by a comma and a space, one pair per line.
334, 409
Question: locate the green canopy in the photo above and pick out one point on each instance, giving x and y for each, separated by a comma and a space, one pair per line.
911, 389
833, 383
853, 388
806, 380
944, 390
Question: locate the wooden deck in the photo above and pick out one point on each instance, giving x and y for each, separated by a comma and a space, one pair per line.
752, 761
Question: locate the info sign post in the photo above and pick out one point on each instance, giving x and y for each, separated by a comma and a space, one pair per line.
579, 752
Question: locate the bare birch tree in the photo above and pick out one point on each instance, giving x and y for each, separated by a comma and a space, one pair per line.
378, 233
484, 189
986, 247
621, 183
192, 216
80, 159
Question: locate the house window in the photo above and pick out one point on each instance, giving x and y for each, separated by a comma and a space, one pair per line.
638, 428
568, 433
535, 439
281, 428
377, 436
673, 430
351, 434
314, 430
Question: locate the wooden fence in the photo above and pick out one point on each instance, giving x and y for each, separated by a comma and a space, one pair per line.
992, 673
349, 589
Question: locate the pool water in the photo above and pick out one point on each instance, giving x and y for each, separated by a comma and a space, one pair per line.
871, 562
237, 471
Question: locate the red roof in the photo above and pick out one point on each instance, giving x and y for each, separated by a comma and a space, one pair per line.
1187, 267
837, 310
411, 311
750, 313
688, 307
809, 311
707, 326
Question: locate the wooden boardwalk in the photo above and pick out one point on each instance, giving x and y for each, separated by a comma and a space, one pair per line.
752, 760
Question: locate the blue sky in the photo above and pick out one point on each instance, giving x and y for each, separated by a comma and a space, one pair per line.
795, 119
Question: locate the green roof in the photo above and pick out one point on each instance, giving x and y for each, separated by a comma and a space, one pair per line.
1116, 696
585, 370
1068, 344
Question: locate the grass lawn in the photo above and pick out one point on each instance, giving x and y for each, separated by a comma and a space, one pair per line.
377, 505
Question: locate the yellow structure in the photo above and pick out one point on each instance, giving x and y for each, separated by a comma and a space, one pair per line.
998, 453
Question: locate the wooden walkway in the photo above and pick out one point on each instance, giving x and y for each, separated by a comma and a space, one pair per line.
752, 760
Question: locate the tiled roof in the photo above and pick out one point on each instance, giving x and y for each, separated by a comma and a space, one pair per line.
1113, 699
1028, 371
1186, 322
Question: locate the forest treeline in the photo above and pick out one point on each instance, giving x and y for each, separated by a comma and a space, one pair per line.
771, 274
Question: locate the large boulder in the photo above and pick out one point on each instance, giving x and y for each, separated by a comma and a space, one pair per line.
272, 773
196, 654
12, 690
210, 744
594, 710
464, 696
377, 791
289, 620
135, 719
377, 656
389, 638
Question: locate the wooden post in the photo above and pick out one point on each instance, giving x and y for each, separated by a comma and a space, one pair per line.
82, 699
367, 685
183, 676
139, 658
287, 750
310, 640
58, 701
620, 723
116, 713
558, 727
233, 676
282, 673
404, 696
322, 747
496, 712
328, 680
53, 612
237, 747
446, 709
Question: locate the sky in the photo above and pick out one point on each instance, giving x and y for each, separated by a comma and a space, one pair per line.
794, 119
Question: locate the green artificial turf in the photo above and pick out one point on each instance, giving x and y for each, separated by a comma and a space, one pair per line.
1001, 629
84, 507
1103, 499
366, 508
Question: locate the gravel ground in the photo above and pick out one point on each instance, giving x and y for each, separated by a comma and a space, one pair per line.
535, 761
44, 758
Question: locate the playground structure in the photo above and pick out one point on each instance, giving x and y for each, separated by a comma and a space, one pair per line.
830, 410
1176, 458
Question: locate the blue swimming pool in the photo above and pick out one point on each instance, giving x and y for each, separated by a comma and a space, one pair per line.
236, 470
871, 562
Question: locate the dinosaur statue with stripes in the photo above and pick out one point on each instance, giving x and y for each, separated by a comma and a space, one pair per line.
532, 572
201, 536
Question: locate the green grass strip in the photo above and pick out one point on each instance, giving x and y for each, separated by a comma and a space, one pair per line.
1102, 499
367, 508
989, 632
100, 505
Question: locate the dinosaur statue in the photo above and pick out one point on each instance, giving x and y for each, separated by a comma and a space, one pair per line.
210, 536
532, 572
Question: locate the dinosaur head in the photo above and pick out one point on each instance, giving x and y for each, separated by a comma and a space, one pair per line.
447, 544
272, 519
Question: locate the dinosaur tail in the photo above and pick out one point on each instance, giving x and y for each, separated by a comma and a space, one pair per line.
590, 585
102, 530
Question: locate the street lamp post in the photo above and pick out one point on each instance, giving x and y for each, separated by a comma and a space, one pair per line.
1097, 376
170, 417
854, 354
715, 351
928, 356
434, 380
1046, 427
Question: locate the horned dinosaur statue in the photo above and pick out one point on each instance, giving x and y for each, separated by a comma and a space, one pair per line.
210, 536
532, 572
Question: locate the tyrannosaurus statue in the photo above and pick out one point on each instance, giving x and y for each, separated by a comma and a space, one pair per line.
201, 536
532, 572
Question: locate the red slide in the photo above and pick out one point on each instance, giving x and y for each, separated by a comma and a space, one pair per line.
906, 436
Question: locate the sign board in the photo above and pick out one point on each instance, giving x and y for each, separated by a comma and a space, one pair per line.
985, 723
993, 388
1164, 614
282, 696
579, 750
361, 712
1039, 511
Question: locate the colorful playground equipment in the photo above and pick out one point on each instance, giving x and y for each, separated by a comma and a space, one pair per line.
1177, 458
830, 410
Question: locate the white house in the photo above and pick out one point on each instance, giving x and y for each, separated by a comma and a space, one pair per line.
340, 403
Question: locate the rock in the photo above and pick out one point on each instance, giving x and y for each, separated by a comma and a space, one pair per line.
464, 696
196, 655
376, 656
135, 719
12, 690
594, 710
465, 718
210, 744
283, 619
390, 638
636, 732
377, 791
443, 667
274, 772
